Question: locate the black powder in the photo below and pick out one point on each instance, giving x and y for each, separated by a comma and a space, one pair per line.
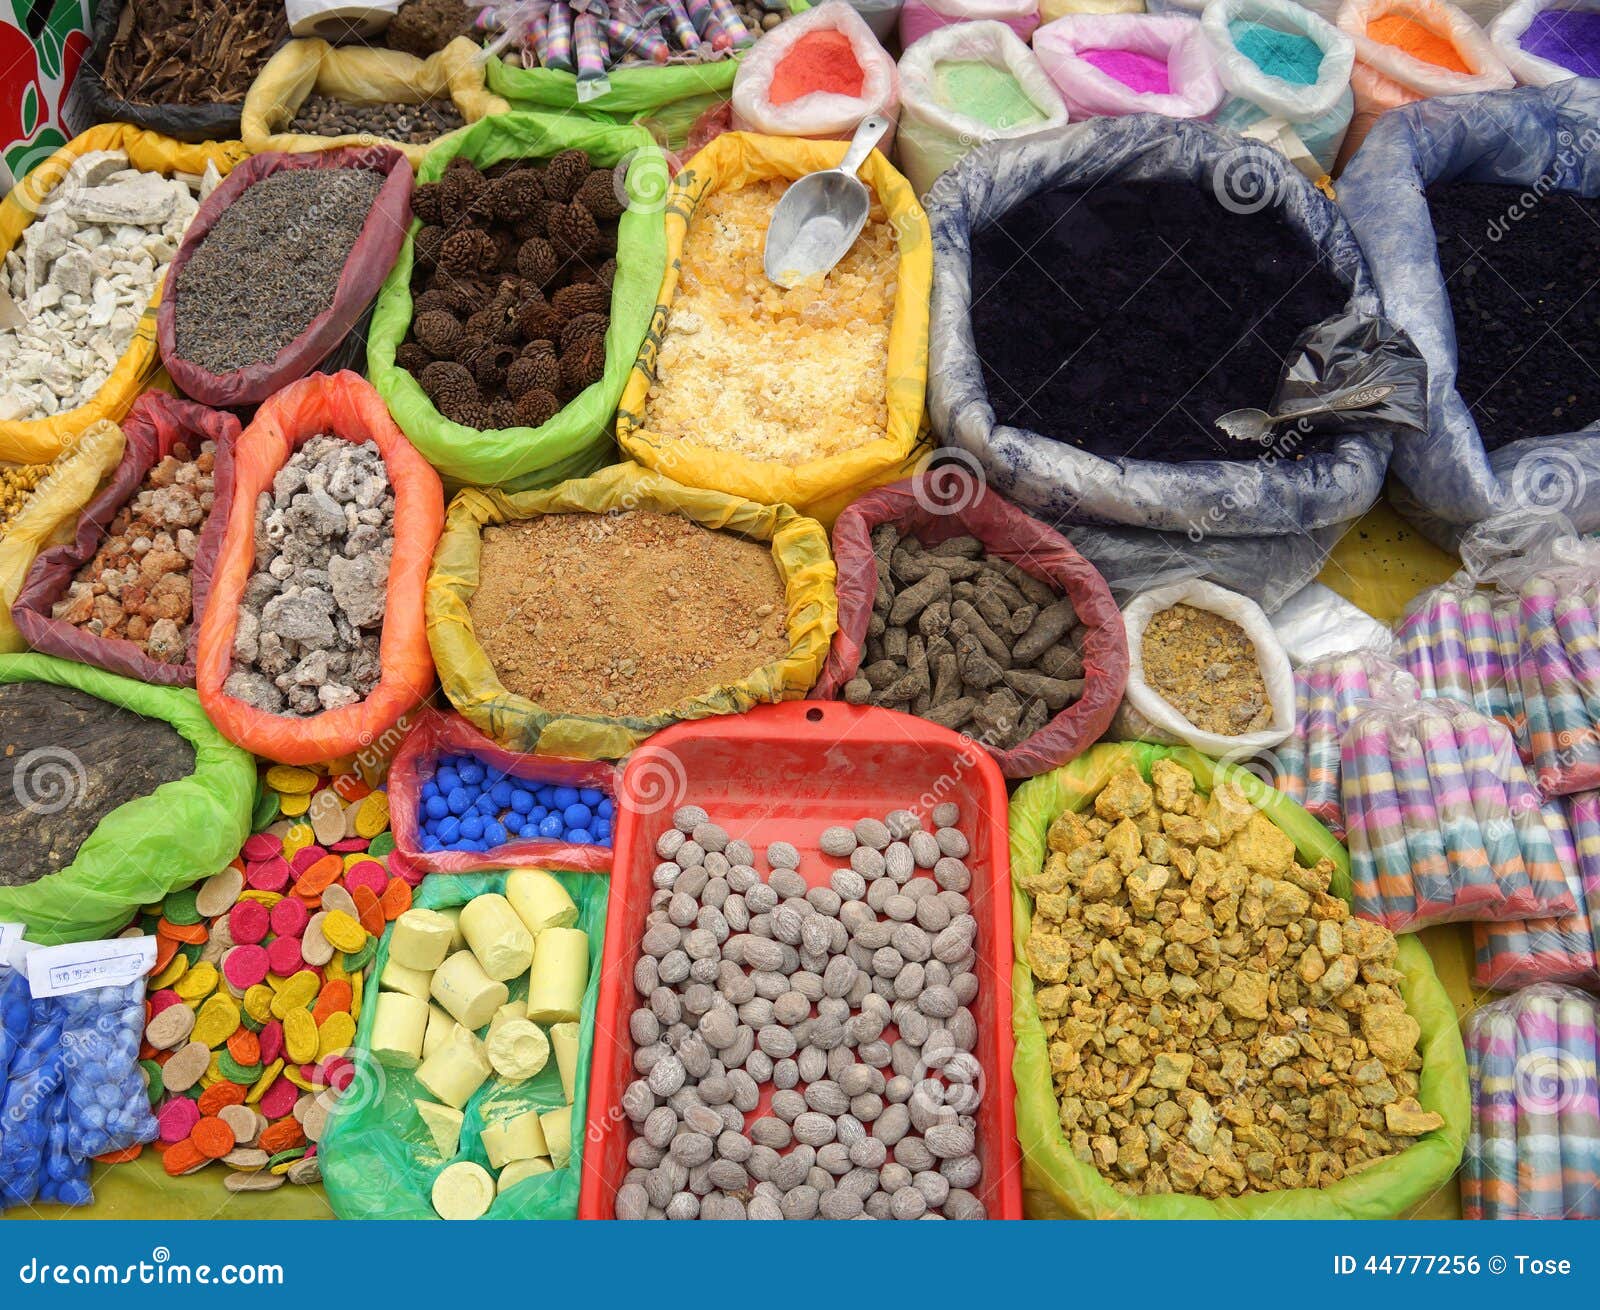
1523, 291
1126, 318
67, 759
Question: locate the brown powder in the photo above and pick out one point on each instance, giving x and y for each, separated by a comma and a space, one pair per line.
627, 613
1206, 668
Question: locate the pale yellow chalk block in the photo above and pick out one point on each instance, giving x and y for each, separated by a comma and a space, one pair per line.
559, 975
495, 934
564, 1041
440, 1026
399, 1025
420, 939
397, 978
518, 1138
444, 1124
457, 1069
466, 991
518, 1049
539, 900
463, 1191
517, 1170
557, 1126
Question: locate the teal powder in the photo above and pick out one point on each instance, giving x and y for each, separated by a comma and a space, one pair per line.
1288, 55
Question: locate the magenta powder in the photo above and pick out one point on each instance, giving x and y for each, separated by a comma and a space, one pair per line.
1569, 37
1142, 73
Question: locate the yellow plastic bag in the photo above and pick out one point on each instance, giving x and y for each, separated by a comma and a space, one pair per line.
1058, 1185
823, 487
799, 549
50, 515
360, 75
38, 441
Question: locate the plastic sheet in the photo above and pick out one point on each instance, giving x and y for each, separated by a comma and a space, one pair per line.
1058, 1185
343, 406
363, 273
1091, 92
183, 831
575, 440
1318, 113
936, 134
919, 17
155, 424
1266, 497
1532, 137
361, 75
799, 549
916, 507
820, 114
1506, 34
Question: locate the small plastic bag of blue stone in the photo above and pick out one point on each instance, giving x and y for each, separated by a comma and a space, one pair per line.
35, 1082
14, 1005
108, 1103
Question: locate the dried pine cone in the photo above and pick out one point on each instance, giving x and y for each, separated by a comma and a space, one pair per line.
598, 194
489, 364
536, 408
494, 322
537, 321
582, 298
411, 357
438, 332
463, 295
503, 414
534, 372
564, 174
535, 220
536, 261
506, 246
460, 164
467, 251
583, 364
448, 384
468, 413
464, 195
430, 299
606, 274
582, 327
425, 246
573, 230
515, 194
427, 199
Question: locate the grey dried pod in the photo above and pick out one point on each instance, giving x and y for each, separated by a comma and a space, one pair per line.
874, 1053
690, 1148
946, 815
782, 855
824, 900
667, 843
644, 1156
801, 1202
632, 1201
913, 1152
952, 874
935, 1187
646, 975
762, 899
788, 1105
660, 1185
686, 818
666, 1075
898, 1090
733, 1145
691, 855
952, 841
741, 878
908, 982
814, 1129
962, 1170
638, 1100
932, 914
785, 1074
665, 874
878, 1205
869, 1153
740, 851
924, 848
867, 1106
868, 862
892, 1125
837, 841
848, 884
787, 883
908, 1203
898, 862
838, 1204
834, 1158
793, 1167
899, 908
710, 836
763, 1160
764, 1208
674, 967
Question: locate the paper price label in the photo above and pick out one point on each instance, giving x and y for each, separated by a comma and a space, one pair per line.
78, 966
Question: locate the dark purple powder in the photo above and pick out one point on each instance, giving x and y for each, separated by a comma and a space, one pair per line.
1569, 37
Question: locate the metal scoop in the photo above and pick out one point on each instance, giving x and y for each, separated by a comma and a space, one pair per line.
1256, 424
821, 214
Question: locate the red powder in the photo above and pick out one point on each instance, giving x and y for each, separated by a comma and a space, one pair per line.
818, 61
1417, 41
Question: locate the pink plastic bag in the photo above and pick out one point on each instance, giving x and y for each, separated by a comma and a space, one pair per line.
436, 735
1091, 92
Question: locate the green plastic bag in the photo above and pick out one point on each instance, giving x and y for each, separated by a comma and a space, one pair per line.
378, 1157
181, 832
1057, 1185
578, 438
668, 98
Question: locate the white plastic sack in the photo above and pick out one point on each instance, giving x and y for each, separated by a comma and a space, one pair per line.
919, 17
1319, 113
935, 136
1164, 722
1317, 622
821, 114
882, 16
1050, 10
1090, 92
1505, 34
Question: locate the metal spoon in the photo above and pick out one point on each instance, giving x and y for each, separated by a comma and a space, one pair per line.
820, 216
1256, 424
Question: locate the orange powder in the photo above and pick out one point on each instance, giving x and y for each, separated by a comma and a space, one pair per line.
818, 61
1417, 41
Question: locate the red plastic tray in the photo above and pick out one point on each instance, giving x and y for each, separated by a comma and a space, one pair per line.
786, 772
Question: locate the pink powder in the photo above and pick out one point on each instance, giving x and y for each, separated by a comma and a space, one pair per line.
1142, 73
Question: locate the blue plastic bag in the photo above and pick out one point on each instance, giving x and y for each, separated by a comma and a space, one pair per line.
107, 1099
35, 1083
1546, 138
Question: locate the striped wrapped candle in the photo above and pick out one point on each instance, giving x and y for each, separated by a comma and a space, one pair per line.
593, 56
1447, 639
1431, 872
1506, 610
682, 27
557, 52
1538, 1100
1289, 760
1583, 816
731, 23
1380, 863
1557, 950
1482, 742
1579, 1112
1414, 648
1498, 1113
1485, 670
1472, 1170
1561, 736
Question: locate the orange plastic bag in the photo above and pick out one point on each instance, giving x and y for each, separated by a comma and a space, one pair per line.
343, 405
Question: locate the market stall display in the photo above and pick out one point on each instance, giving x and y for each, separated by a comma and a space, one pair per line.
476, 1070
1110, 65
1532, 1150
1545, 41
848, 415
550, 321
1286, 73
151, 537
891, 1107
317, 96
278, 267
1076, 836
963, 85
711, 605
1452, 478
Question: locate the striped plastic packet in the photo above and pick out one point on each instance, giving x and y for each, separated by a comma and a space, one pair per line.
1329, 693
1459, 641
1533, 1148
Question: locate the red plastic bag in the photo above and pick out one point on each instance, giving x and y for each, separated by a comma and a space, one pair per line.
342, 405
434, 735
364, 271
950, 502
154, 425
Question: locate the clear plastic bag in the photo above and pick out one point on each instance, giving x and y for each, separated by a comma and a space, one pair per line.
1510, 25
919, 17
107, 1101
